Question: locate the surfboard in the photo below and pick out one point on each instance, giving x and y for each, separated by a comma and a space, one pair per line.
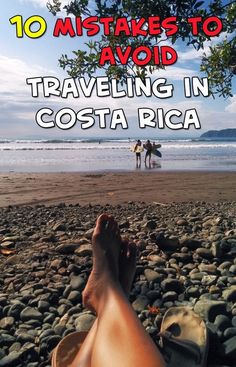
138, 149
154, 150
157, 153
154, 146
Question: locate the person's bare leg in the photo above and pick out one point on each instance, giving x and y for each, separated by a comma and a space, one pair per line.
119, 332
127, 266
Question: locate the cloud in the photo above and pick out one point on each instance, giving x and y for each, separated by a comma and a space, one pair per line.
174, 73
13, 74
232, 105
42, 3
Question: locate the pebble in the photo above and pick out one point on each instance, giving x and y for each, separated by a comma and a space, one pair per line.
187, 257
229, 294
30, 313
84, 321
151, 275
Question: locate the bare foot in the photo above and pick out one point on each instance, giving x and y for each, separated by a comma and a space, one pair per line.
106, 243
127, 265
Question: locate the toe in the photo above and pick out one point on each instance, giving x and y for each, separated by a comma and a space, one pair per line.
101, 222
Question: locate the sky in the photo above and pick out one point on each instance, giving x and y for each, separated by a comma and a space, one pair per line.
22, 58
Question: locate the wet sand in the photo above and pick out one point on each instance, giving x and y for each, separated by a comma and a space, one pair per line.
115, 188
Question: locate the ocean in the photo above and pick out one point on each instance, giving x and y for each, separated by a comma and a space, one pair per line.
114, 155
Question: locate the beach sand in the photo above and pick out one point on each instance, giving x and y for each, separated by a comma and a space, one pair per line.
115, 188
186, 254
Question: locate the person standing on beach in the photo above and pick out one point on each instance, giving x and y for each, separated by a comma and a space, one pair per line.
138, 153
148, 146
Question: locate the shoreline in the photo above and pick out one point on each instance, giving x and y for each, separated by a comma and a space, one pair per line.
116, 187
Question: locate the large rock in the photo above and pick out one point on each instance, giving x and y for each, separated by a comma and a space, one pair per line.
77, 283
230, 348
190, 243
7, 322
169, 296
167, 243
84, 250
84, 321
209, 309
171, 285
208, 268
151, 275
156, 259
140, 303
204, 253
66, 248
12, 360
30, 313
229, 294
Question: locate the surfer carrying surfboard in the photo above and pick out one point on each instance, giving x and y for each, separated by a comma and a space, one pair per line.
138, 153
148, 146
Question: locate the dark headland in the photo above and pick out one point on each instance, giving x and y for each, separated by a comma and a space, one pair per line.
218, 134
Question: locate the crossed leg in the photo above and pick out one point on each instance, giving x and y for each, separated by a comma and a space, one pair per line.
117, 337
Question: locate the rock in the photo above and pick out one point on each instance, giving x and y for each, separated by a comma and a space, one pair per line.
196, 276
66, 248
12, 360
209, 279
208, 268
167, 243
230, 348
8, 244
229, 294
43, 306
216, 249
77, 283
74, 296
190, 243
24, 337
230, 332
12, 260
84, 321
15, 347
234, 321
171, 285
57, 263
182, 257
7, 322
6, 340
45, 334
16, 309
169, 296
181, 222
59, 227
52, 342
153, 295
222, 322
209, 309
30, 313
157, 260
89, 233
232, 269
151, 275
151, 224
140, 303
204, 253
84, 250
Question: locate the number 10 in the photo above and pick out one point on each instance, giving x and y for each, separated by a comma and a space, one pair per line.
25, 28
